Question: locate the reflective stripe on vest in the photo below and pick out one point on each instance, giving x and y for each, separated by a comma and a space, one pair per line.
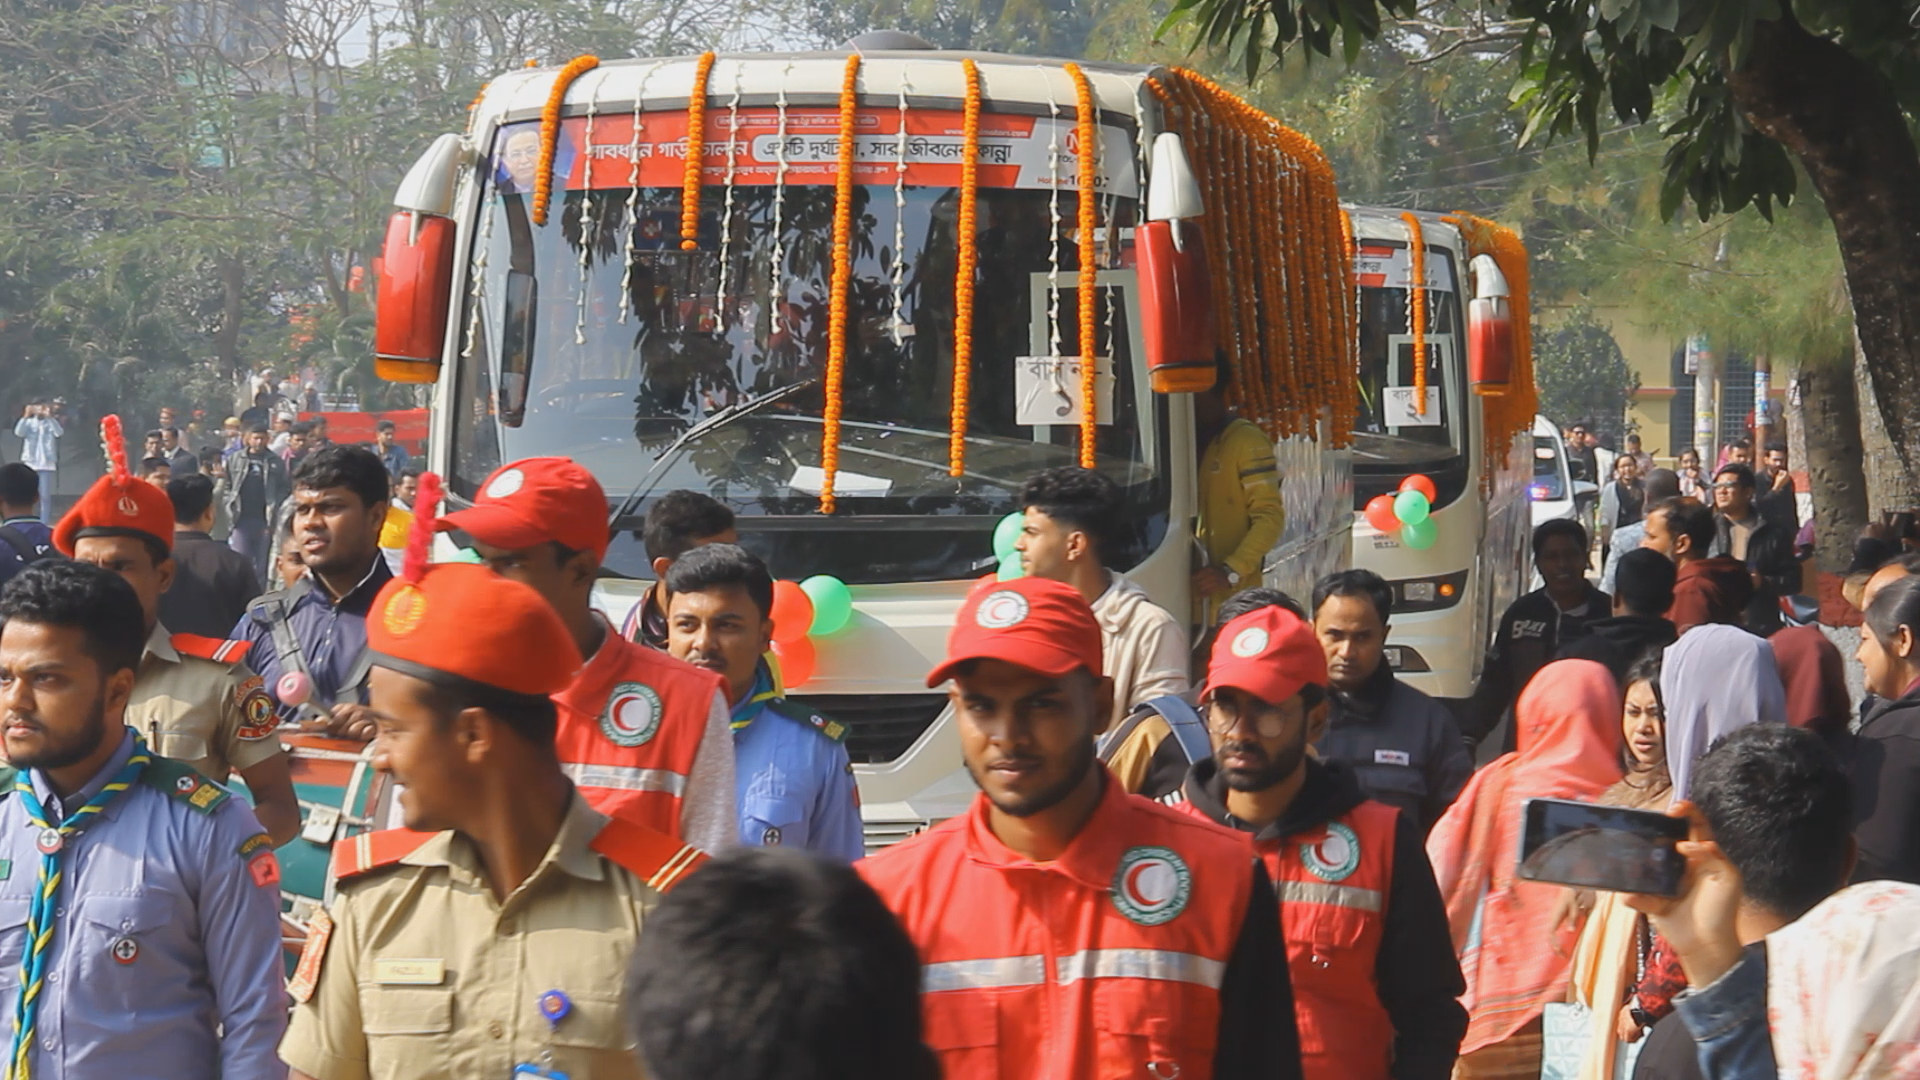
1006, 971
625, 778
1319, 892
985, 974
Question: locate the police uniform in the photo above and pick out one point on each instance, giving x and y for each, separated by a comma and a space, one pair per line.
416, 971
193, 698
796, 784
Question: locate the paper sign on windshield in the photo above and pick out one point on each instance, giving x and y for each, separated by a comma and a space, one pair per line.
1047, 390
1398, 402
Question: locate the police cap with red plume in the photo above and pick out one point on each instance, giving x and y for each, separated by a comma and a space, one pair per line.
118, 504
466, 622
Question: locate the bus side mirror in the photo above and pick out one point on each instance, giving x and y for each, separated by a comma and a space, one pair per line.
1489, 330
414, 296
1170, 259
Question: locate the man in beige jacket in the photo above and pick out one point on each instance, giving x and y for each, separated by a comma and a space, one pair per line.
1075, 519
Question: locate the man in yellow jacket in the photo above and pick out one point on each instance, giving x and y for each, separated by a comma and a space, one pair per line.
1241, 516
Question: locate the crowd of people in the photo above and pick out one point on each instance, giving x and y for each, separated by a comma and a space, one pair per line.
624, 850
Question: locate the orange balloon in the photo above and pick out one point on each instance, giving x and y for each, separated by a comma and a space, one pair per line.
792, 611
797, 660
1423, 484
1379, 513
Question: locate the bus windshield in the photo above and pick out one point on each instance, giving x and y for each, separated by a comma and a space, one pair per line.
598, 336
1392, 436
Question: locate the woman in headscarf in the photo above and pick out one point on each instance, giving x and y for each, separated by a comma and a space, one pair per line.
1567, 734
1622, 970
1815, 678
1715, 680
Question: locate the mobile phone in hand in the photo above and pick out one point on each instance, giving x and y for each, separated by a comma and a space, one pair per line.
1601, 847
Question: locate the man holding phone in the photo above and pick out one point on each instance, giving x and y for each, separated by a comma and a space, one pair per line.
1375, 979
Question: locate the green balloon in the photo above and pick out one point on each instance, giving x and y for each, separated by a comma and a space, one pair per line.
1419, 535
1011, 566
832, 603
1007, 533
1411, 507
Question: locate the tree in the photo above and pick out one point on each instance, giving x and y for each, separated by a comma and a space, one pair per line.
1582, 375
1743, 89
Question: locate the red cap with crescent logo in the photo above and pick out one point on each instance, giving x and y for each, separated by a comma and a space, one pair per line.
1041, 625
535, 500
1270, 653
118, 503
465, 620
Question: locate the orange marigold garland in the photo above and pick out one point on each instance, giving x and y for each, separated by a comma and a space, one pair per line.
966, 264
1511, 413
842, 281
696, 151
1087, 161
550, 131
1417, 308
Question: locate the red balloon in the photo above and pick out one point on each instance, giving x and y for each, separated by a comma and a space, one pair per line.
1423, 484
797, 661
1380, 514
792, 612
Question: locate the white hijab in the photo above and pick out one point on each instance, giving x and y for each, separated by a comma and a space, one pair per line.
1843, 987
1715, 680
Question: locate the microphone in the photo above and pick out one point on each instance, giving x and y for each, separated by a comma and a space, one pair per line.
295, 688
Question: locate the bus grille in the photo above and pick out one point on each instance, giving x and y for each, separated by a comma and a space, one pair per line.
881, 835
880, 727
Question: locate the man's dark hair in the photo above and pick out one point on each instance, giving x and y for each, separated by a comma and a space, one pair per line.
1364, 584
19, 485
258, 429
1690, 518
383, 425
156, 433
211, 457
1643, 582
1633, 438
1740, 444
1254, 599
149, 464
532, 717
351, 467
1080, 499
80, 596
678, 519
1776, 446
1567, 527
767, 964
302, 428
1661, 484
719, 565
1742, 474
1781, 807
170, 431
191, 495
410, 473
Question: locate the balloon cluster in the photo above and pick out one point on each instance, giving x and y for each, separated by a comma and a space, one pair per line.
816, 607
1408, 511
1005, 535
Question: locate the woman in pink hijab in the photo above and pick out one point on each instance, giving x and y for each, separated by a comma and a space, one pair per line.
1568, 737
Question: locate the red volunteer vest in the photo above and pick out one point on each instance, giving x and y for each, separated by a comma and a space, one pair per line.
630, 726
1333, 882
1106, 962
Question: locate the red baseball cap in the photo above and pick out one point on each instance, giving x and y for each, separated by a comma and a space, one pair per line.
534, 500
1270, 653
1039, 624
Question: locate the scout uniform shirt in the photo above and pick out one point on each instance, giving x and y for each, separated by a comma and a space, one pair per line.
417, 973
195, 701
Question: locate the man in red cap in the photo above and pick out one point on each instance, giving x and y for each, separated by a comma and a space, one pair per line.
645, 736
490, 936
1066, 927
1375, 980
194, 698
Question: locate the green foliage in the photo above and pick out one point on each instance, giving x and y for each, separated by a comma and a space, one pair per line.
1581, 373
1257, 33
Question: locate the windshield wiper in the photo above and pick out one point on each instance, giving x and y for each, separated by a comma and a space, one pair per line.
720, 419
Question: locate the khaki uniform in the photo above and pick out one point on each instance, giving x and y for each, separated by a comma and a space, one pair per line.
417, 973
214, 716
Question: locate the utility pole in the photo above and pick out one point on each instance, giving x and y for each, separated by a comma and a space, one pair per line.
1706, 404
1762, 408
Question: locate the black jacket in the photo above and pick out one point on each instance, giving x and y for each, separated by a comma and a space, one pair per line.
1531, 633
1417, 973
1403, 747
1770, 557
1884, 760
212, 586
1619, 641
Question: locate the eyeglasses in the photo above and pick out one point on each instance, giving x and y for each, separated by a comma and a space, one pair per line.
1223, 717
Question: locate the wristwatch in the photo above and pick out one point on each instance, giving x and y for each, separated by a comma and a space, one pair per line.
1233, 577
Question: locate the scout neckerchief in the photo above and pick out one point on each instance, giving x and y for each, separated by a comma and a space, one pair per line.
763, 691
40, 911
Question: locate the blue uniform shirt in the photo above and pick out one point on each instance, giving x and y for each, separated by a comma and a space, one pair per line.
332, 636
793, 777
166, 950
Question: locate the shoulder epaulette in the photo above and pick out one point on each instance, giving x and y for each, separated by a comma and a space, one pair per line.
183, 782
371, 851
648, 854
219, 650
793, 710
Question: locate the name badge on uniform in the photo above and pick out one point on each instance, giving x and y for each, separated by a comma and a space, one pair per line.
1392, 757
409, 972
